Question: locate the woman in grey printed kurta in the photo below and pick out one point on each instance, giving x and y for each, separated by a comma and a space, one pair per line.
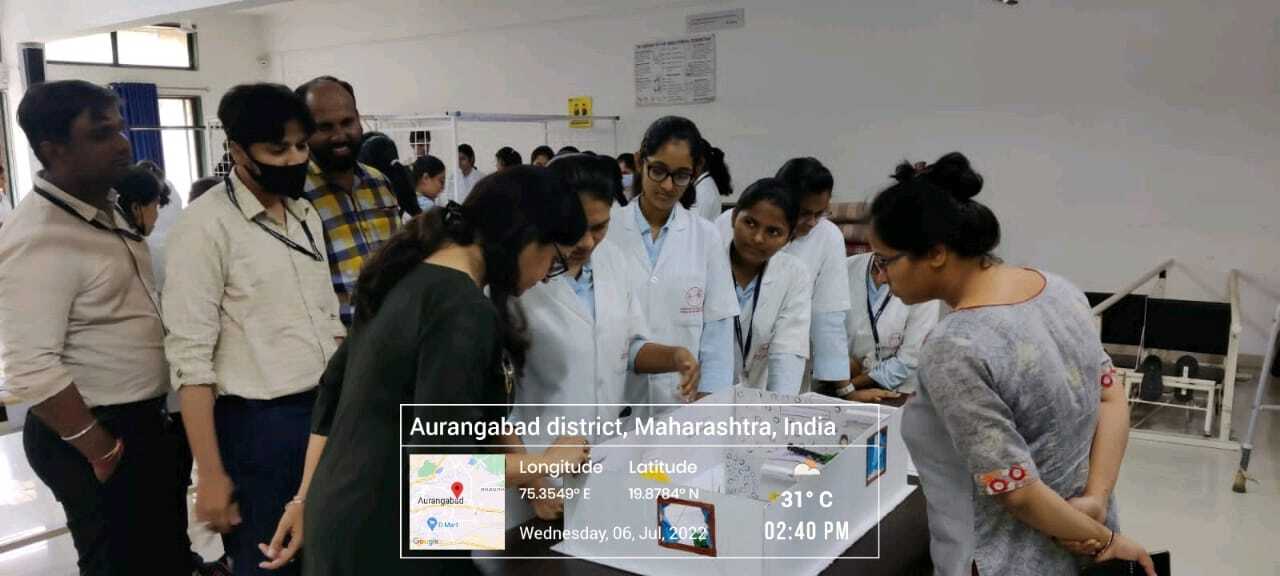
1018, 429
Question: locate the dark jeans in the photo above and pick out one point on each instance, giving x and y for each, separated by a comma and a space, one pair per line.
263, 445
136, 521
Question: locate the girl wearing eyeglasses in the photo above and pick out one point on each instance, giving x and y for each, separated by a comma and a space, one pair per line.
677, 260
771, 332
885, 334
587, 327
1019, 426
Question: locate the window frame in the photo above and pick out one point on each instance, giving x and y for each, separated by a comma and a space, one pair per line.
192, 55
198, 127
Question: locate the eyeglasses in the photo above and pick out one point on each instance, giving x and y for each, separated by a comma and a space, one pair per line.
558, 266
659, 172
881, 264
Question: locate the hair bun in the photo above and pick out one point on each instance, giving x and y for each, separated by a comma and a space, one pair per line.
904, 172
953, 173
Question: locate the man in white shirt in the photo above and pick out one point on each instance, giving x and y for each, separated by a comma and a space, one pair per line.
467, 170
81, 339
252, 321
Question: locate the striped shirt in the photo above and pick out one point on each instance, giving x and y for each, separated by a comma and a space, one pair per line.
356, 223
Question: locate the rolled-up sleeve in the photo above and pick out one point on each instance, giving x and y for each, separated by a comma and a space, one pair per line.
192, 297
715, 354
35, 303
786, 371
921, 318
830, 346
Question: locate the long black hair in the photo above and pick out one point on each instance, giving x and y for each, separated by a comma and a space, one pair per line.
934, 206
716, 169
664, 130
379, 150
506, 211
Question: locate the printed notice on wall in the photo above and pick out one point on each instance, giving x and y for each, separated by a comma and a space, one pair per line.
681, 71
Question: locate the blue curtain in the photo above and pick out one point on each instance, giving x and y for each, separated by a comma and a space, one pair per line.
140, 106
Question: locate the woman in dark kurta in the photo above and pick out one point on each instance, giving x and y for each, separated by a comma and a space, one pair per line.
426, 333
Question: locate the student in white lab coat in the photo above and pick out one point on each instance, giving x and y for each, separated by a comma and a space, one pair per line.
586, 329
771, 333
678, 263
820, 246
885, 335
714, 182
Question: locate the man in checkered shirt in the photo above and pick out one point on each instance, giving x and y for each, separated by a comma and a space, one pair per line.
354, 200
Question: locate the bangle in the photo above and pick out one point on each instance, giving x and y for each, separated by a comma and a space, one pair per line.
92, 424
1110, 541
109, 455
299, 499
846, 390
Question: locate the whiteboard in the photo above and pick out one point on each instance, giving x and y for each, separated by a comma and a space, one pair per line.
680, 71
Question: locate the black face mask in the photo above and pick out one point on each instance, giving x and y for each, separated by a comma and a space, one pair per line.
289, 181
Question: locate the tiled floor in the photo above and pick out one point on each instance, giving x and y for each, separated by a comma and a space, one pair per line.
1172, 497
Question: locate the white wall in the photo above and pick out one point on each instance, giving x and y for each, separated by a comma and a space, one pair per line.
230, 46
1113, 135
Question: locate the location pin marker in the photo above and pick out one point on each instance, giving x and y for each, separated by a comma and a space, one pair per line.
431, 523
457, 489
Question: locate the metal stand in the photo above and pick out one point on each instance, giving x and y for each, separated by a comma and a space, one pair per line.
1219, 396
1246, 443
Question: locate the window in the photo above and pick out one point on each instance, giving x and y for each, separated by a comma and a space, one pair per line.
95, 49
183, 148
159, 46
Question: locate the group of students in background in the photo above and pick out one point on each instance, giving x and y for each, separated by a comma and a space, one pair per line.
300, 308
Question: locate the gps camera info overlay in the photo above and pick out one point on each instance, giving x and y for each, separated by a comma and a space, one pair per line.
771, 481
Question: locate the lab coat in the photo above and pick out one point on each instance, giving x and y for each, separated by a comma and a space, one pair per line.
902, 328
573, 358
691, 284
822, 253
779, 323
707, 203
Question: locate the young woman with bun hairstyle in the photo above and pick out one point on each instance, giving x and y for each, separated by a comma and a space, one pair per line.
1019, 427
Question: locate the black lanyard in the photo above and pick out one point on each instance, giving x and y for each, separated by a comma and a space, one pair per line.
123, 235
875, 316
92, 222
314, 253
737, 321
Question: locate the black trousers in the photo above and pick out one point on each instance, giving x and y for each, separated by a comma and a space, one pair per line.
136, 521
263, 445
